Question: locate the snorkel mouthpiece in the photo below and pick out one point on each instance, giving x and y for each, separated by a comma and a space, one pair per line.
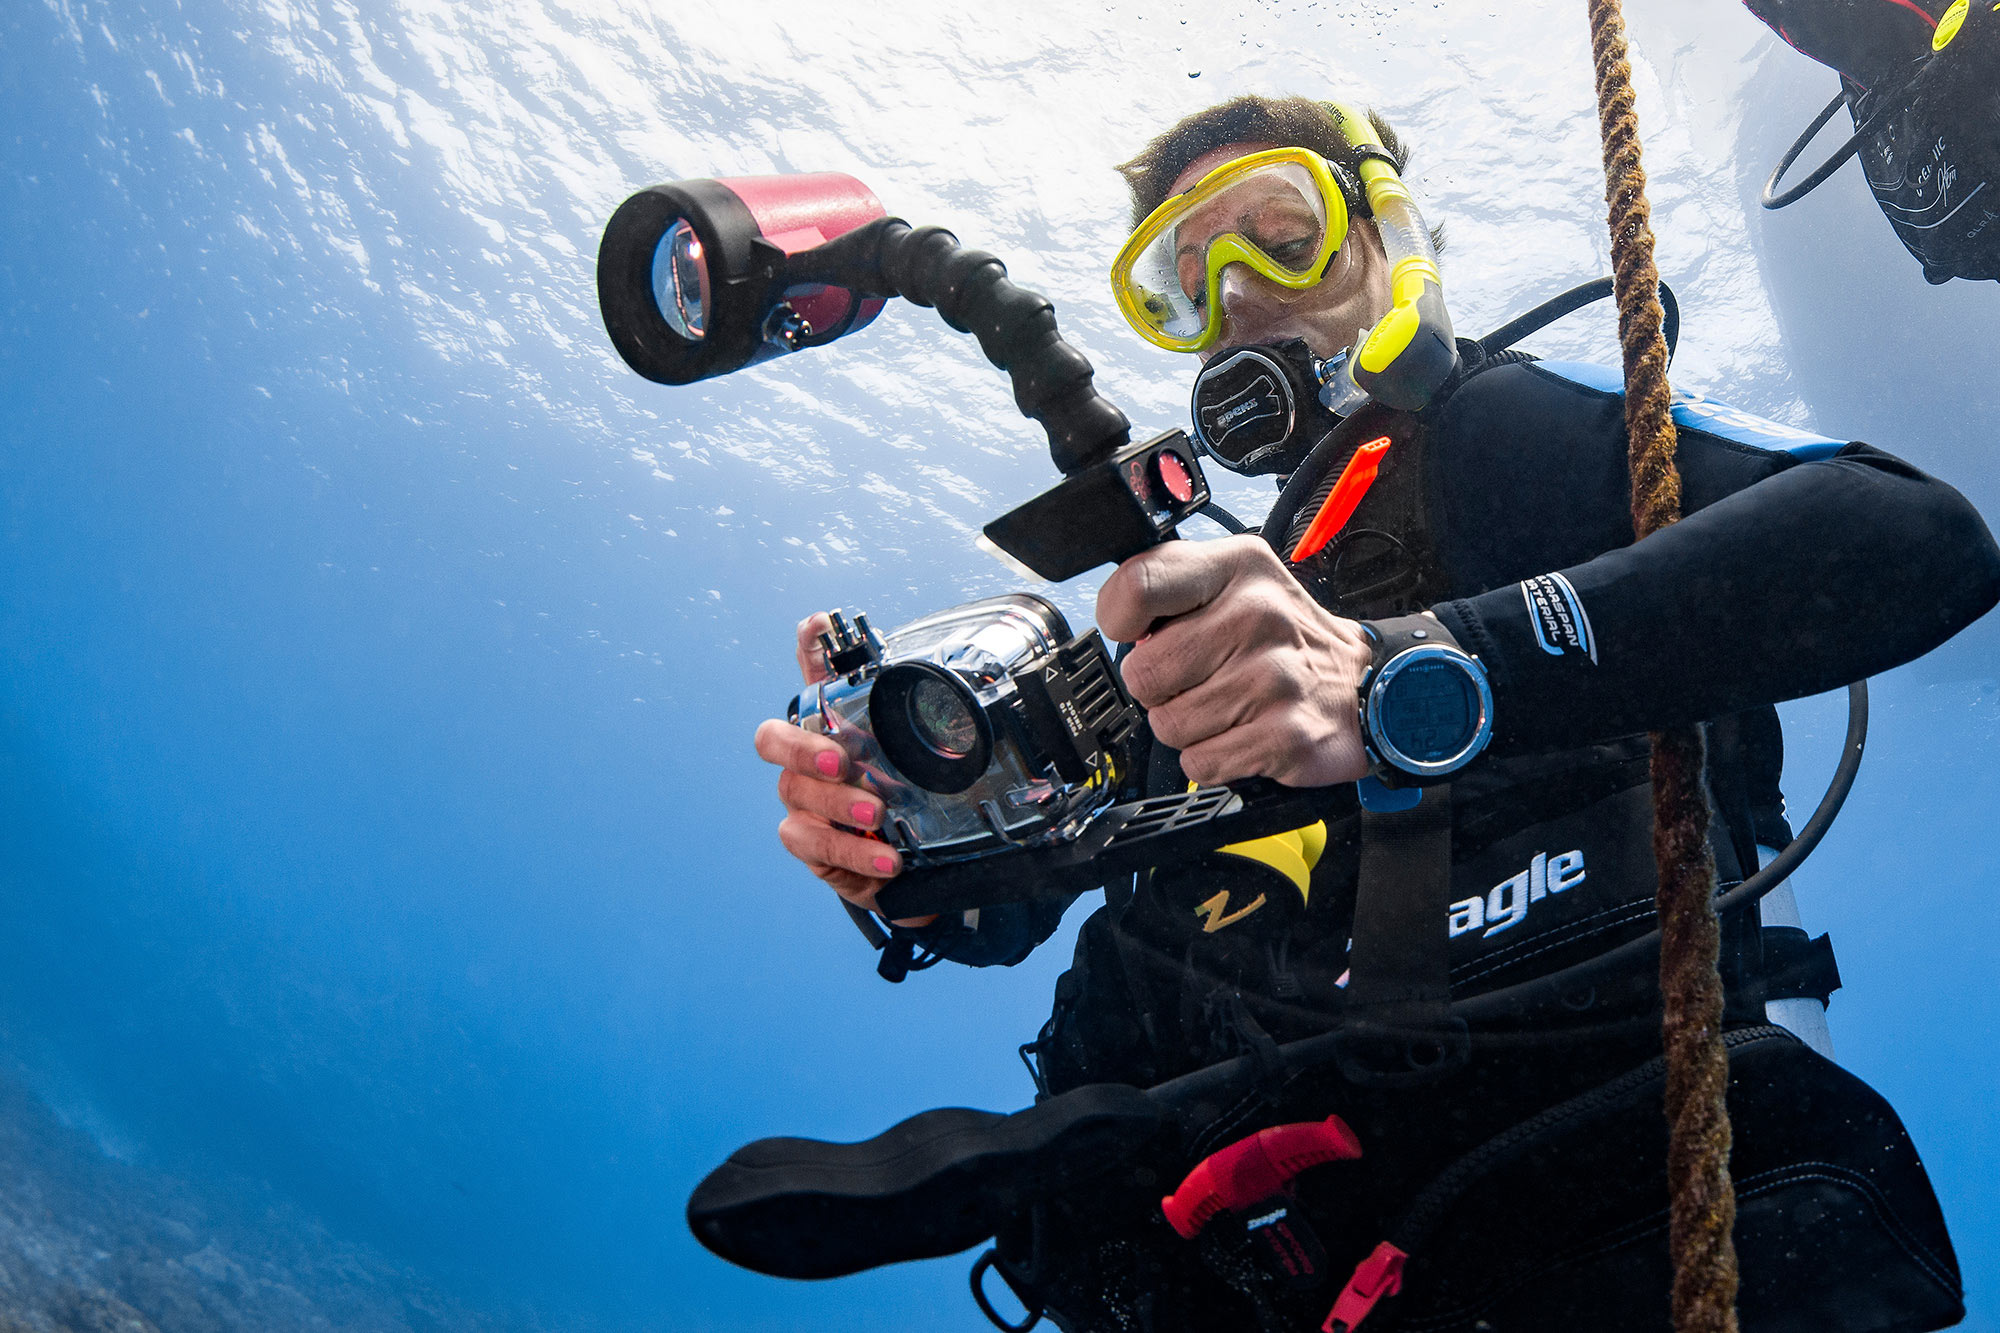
691, 274
1411, 352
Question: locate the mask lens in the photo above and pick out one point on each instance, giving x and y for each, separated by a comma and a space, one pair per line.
941, 720
1280, 220
1162, 302
1276, 210
680, 281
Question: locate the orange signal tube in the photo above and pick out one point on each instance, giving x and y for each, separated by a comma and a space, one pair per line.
1355, 479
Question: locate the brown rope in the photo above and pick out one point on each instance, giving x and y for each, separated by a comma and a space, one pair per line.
1703, 1203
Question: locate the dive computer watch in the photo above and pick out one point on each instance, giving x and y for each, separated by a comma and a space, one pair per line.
1426, 707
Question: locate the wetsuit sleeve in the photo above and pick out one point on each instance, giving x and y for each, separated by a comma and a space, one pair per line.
1787, 577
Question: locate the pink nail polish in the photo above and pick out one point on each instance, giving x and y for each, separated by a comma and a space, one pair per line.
885, 865
829, 763
864, 814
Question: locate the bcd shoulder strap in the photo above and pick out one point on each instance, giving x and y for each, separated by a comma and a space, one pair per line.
1397, 1027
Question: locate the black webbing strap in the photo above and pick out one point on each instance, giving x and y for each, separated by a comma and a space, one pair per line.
1398, 1027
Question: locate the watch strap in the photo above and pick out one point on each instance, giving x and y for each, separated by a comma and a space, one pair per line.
1393, 634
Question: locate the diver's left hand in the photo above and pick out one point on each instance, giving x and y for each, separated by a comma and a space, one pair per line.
1237, 666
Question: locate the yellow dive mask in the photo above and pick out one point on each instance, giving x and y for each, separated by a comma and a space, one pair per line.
1281, 212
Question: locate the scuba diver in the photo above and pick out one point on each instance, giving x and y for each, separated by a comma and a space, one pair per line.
1516, 1182
1920, 80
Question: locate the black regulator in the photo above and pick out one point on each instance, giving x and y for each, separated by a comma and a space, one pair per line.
1259, 410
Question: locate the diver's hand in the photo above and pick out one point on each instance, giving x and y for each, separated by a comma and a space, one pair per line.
1242, 671
813, 785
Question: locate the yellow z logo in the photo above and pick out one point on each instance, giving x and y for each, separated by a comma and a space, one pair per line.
1217, 913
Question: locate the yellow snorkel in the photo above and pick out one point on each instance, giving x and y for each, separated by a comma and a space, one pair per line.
1411, 352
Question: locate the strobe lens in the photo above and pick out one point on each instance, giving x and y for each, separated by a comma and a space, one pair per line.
691, 276
680, 281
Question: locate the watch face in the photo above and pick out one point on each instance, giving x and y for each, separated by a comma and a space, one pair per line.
1430, 711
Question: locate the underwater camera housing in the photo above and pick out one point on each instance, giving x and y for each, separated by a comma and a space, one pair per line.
982, 727
1000, 745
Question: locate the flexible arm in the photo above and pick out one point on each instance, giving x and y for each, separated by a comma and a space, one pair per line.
1016, 328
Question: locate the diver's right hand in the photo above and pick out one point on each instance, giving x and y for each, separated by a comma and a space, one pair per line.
818, 798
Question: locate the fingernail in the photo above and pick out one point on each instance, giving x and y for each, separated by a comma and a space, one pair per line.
885, 865
829, 763
864, 814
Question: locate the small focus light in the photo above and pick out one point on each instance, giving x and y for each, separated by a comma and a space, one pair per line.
1176, 476
1109, 511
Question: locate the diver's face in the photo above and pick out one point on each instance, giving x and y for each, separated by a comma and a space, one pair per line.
1329, 315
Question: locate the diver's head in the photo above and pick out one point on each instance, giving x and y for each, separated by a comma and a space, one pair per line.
1349, 291
1256, 202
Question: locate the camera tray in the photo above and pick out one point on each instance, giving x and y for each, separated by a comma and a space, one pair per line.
1118, 840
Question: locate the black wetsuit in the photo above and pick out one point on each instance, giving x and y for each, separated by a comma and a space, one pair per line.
1802, 564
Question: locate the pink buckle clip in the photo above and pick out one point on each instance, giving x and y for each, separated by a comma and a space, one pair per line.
1379, 1275
1254, 1169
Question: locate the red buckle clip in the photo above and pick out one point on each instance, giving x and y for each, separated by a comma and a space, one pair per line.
1254, 1169
1379, 1275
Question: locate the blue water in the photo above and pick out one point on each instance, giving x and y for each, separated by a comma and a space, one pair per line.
384, 870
